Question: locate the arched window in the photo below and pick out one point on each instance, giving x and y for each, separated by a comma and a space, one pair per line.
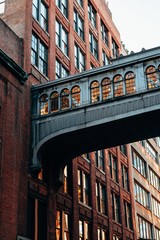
118, 86
43, 100
75, 96
130, 82
151, 77
64, 99
95, 93
106, 89
54, 101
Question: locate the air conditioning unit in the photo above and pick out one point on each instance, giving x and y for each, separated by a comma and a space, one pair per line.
22, 238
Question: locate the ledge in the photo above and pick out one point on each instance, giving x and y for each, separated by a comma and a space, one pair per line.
13, 67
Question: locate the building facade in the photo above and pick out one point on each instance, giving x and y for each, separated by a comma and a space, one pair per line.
106, 194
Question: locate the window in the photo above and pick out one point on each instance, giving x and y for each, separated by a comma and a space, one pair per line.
156, 207
65, 182
113, 167
62, 225
63, 6
39, 55
102, 235
43, 101
95, 92
83, 187
84, 230
104, 33
92, 14
105, 58
40, 13
54, 101
64, 99
37, 219
86, 156
100, 198
99, 159
157, 233
118, 86
2, 6
106, 89
141, 195
139, 163
154, 179
125, 179
75, 96
114, 49
123, 149
78, 24
61, 38
151, 151
130, 83
144, 228
93, 45
151, 77
128, 215
79, 59
116, 238
116, 207
61, 71
80, 2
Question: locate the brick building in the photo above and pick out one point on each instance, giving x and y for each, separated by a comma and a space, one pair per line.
49, 40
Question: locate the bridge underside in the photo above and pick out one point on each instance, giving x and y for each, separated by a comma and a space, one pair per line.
59, 150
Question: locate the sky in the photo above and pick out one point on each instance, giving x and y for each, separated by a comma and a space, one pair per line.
138, 22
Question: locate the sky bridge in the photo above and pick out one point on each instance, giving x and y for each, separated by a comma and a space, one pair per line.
104, 107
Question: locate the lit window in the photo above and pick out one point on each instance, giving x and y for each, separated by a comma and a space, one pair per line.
54, 101
78, 24
43, 100
40, 13
63, 6
93, 43
100, 198
130, 83
83, 187
64, 95
106, 89
75, 96
79, 59
118, 86
95, 92
2, 6
151, 77
92, 14
84, 230
62, 225
61, 38
39, 55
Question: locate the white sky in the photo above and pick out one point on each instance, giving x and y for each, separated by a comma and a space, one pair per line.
138, 22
